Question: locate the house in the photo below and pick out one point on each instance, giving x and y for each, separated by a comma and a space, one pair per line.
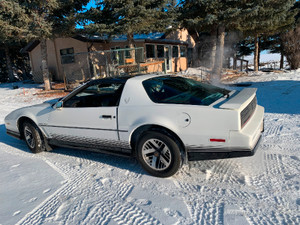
83, 56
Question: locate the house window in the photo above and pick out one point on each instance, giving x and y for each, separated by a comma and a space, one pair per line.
160, 51
127, 52
150, 51
67, 55
182, 51
117, 56
175, 51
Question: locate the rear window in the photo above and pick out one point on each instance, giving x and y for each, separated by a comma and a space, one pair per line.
179, 90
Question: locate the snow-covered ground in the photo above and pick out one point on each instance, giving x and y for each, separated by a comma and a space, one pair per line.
264, 57
69, 186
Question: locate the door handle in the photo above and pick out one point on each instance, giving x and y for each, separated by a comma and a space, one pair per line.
106, 116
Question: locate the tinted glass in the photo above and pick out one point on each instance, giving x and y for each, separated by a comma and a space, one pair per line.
179, 90
99, 95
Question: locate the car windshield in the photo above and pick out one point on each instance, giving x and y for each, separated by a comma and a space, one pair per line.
179, 90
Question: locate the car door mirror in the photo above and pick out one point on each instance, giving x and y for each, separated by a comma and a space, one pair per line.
58, 105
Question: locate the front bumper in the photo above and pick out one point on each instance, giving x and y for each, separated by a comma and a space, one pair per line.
13, 134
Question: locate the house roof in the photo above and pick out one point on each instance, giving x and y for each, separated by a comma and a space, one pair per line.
30, 46
147, 38
118, 38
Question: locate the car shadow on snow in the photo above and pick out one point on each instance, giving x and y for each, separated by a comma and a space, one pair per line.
279, 96
85, 157
10, 141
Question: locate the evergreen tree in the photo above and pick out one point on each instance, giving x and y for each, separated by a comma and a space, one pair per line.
290, 40
52, 18
291, 47
265, 17
214, 16
128, 17
42, 20
13, 28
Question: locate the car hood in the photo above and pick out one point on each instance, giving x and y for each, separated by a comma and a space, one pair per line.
43, 105
32, 111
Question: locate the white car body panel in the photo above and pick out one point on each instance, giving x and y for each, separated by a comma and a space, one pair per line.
79, 123
195, 125
241, 100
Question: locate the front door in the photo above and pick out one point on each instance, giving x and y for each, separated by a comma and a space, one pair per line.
88, 118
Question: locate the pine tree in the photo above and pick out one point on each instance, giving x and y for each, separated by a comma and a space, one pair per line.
42, 20
291, 47
13, 28
52, 18
215, 17
129, 17
265, 17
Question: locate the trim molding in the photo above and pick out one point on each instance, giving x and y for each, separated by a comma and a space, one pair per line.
85, 128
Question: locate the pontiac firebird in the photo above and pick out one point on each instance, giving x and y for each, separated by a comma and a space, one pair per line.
162, 120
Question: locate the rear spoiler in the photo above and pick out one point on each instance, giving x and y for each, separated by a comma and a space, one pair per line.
241, 100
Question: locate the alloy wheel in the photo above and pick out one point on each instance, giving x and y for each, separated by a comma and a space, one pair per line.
156, 154
29, 137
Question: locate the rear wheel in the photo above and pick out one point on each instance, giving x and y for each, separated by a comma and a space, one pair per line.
33, 137
159, 154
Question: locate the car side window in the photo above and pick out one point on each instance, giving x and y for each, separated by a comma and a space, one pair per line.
98, 95
178, 90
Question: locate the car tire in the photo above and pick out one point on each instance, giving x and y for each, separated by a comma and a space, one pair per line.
159, 154
33, 137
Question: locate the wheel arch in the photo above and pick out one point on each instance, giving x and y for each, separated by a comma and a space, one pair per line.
20, 123
140, 131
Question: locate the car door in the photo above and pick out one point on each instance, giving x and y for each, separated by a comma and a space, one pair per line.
88, 118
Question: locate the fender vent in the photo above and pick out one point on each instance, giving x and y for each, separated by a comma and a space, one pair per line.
248, 111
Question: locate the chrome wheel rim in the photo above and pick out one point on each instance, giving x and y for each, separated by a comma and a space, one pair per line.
156, 154
29, 137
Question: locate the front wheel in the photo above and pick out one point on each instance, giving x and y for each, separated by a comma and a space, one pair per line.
33, 137
159, 154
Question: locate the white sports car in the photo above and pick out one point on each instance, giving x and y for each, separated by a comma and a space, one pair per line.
162, 120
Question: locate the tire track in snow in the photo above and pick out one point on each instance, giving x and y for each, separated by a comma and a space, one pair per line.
51, 205
81, 182
206, 209
273, 131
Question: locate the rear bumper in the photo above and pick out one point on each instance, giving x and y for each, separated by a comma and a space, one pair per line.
223, 153
210, 154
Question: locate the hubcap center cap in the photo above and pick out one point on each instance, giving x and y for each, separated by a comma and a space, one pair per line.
156, 154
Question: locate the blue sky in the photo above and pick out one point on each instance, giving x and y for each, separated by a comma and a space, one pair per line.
92, 3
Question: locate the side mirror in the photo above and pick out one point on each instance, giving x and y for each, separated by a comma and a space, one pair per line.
58, 105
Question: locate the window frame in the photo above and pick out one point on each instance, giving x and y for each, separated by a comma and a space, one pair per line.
68, 57
82, 88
